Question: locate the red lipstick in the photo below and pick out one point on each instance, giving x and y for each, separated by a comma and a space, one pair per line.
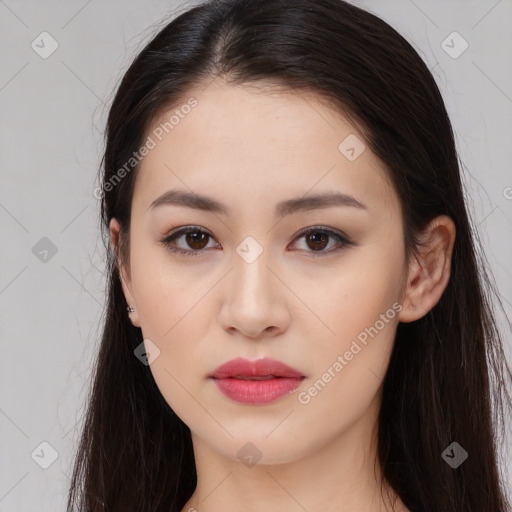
256, 382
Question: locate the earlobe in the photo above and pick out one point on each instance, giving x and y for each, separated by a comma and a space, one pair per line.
429, 271
124, 275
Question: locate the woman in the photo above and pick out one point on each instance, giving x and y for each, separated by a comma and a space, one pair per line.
307, 327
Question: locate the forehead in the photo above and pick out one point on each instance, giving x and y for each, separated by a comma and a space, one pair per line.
254, 141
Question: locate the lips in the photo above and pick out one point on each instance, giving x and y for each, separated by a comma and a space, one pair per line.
260, 369
256, 382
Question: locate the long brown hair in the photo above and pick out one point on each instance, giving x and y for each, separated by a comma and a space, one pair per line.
448, 379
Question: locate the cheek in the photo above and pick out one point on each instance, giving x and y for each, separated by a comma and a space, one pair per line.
354, 298
168, 295
361, 308
173, 310
177, 380
349, 374
177, 324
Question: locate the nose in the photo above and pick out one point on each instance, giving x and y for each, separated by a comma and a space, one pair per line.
255, 300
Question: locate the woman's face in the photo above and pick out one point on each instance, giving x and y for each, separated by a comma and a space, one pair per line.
249, 285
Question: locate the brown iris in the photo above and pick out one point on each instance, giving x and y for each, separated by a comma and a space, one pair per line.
319, 240
197, 240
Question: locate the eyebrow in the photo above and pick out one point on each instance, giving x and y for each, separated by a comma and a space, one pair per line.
288, 207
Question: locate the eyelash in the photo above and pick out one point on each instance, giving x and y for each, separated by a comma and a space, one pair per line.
342, 240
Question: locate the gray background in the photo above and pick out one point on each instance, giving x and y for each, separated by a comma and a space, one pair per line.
53, 113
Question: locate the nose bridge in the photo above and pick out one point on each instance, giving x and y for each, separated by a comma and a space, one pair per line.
251, 274
251, 304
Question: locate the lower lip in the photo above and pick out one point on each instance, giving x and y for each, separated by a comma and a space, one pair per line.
257, 391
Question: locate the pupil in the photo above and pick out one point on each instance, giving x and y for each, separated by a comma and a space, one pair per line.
192, 239
316, 242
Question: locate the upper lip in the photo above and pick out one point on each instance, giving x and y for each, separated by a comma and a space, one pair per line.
241, 367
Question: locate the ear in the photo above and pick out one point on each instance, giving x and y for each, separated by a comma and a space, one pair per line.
429, 272
124, 273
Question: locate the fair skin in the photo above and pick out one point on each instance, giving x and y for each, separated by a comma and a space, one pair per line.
251, 150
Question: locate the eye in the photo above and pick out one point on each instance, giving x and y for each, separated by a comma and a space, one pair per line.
197, 239
317, 238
